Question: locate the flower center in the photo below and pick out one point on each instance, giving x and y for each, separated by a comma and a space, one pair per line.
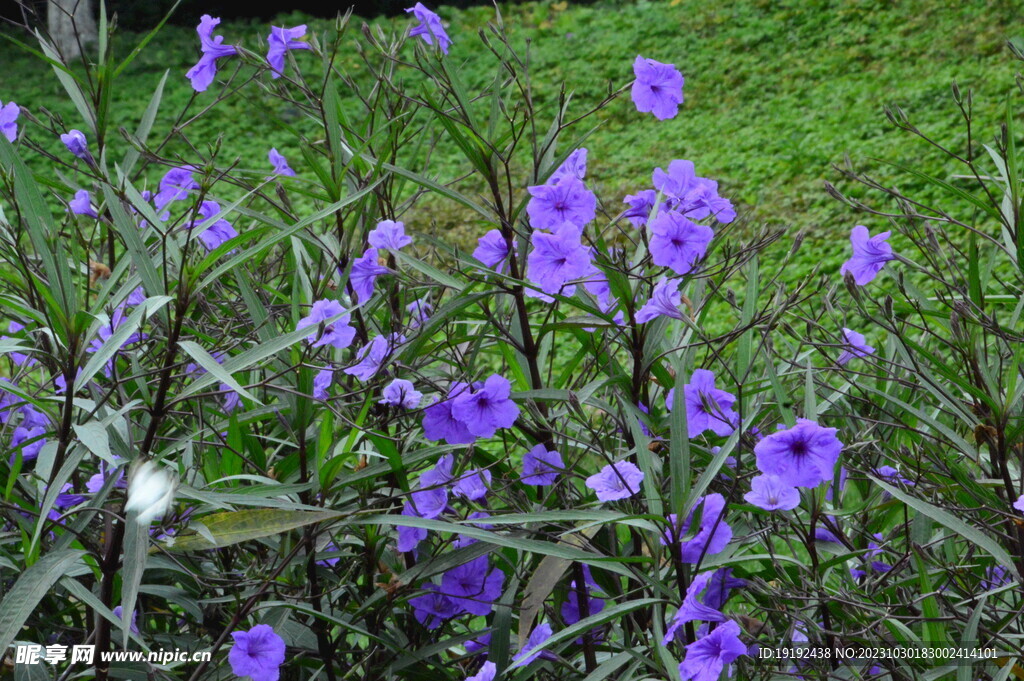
799, 448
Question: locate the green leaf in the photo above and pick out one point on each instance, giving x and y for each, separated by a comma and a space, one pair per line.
950, 521
234, 527
206, 360
33, 584
136, 545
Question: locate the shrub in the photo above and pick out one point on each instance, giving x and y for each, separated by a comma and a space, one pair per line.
273, 417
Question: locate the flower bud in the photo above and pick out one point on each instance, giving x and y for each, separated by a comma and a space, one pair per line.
150, 491
76, 143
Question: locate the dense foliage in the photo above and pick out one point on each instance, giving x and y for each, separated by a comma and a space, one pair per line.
270, 411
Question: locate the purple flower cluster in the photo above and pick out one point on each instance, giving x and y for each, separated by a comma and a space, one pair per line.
471, 411
802, 456
279, 42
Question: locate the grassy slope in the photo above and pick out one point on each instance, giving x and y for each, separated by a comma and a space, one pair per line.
776, 92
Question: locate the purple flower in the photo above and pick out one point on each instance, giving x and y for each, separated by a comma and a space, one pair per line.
433, 607
430, 502
703, 201
420, 311
257, 653
802, 456
19, 358
280, 41
473, 586
400, 393
33, 436
337, 334
492, 250
486, 673
553, 205
430, 27
175, 186
541, 466
82, 205
676, 183
693, 608
76, 143
365, 271
373, 355
213, 48
30, 418
67, 498
213, 233
771, 493
722, 582
870, 253
658, 88
232, 400
571, 606
529, 653
664, 302
574, 167
1019, 504
329, 562
136, 297
462, 541
837, 485
893, 474
995, 577
9, 113
439, 422
106, 331
477, 644
640, 206
707, 657
707, 408
823, 533
390, 235
280, 164
440, 474
95, 483
619, 480
855, 347
473, 484
678, 243
555, 260
713, 535
134, 626
488, 408
322, 382
409, 537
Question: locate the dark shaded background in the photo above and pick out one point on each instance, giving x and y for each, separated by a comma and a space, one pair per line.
139, 15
